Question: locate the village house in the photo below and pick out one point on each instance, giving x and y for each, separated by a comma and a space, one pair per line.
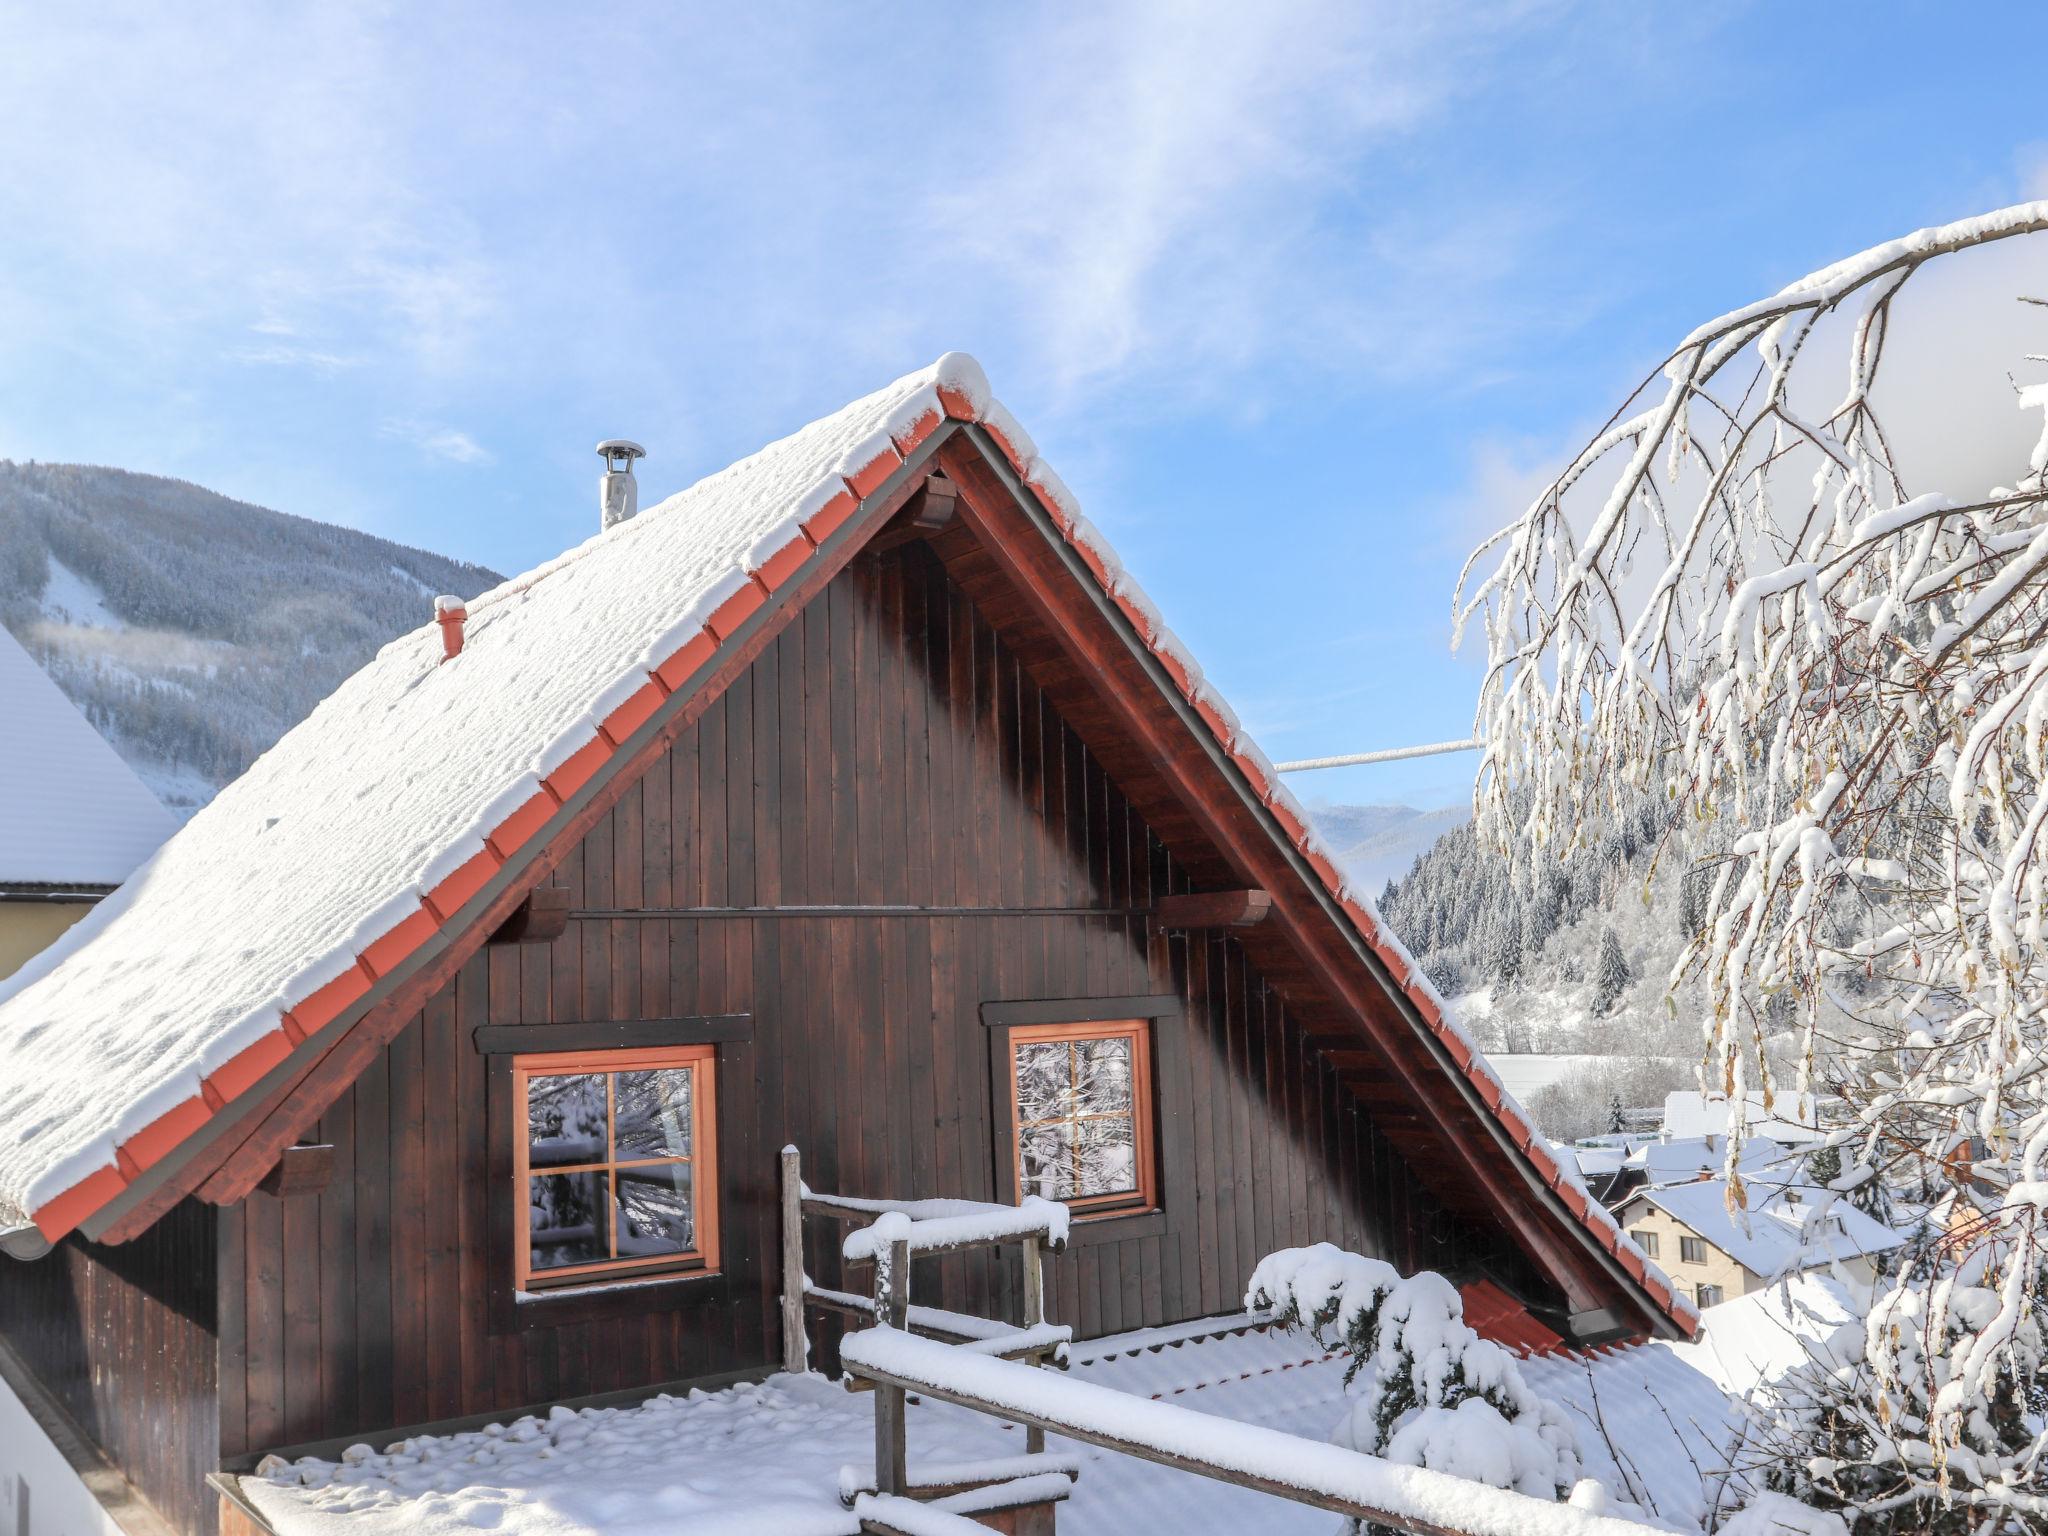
1717, 1255
75, 821
854, 800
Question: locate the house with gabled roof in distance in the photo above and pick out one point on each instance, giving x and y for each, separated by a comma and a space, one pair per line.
75, 821
1718, 1254
855, 799
1790, 1119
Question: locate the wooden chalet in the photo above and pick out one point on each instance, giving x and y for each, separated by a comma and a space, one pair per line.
853, 799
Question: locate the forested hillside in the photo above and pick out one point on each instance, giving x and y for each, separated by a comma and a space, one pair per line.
191, 629
1573, 957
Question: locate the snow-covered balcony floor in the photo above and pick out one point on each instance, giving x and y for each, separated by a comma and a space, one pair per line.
765, 1458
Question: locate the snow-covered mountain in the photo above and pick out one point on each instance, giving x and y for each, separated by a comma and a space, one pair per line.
193, 630
1378, 843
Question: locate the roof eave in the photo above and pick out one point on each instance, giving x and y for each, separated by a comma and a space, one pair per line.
1659, 1316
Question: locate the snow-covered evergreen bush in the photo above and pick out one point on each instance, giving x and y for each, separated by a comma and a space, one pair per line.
1436, 1394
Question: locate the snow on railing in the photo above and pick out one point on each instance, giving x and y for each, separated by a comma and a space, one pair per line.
1312, 1472
972, 1227
896, 1231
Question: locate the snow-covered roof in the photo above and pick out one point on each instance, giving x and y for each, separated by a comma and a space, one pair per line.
71, 812
1652, 1426
1748, 1344
1790, 1118
1786, 1229
1682, 1160
379, 824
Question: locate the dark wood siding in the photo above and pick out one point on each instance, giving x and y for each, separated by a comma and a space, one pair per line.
123, 1339
886, 748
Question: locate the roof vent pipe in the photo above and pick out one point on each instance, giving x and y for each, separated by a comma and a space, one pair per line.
618, 493
450, 613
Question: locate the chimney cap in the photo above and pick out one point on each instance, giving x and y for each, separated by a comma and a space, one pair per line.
620, 447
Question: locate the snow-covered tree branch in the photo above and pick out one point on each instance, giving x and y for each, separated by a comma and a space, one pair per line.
1734, 598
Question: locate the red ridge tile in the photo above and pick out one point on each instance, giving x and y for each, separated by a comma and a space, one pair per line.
1177, 668
907, 439
622, 722
387, 952
579, 768
471, 876
1255, 776
779, 567
1332, 877
516, 830
997, 436
1140, 620
322, 1006
1092, 559
956, 404
826, 521
67, 1210
868, 479
735, 611
148, 1145
682, 666
243, 1070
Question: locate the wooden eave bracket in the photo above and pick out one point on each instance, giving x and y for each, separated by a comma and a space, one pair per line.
928, 513
540, 919
1200, 911
301, 1170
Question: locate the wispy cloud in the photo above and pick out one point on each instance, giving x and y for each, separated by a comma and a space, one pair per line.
285, 355
1155, 190
435, 441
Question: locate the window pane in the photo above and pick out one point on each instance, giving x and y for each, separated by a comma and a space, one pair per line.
653, 1110
565, 1219
1045, 1161
1109, 1156
565, 1120
1044, 1081
1105, 1077
656, 1211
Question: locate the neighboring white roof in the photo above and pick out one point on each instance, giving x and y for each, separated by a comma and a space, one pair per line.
1786, 1230
1790, 1118
1705, 1157
71, 812
1747, 1344
1593, 1161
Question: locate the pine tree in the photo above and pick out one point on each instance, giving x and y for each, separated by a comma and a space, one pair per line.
1617, 1119
1824, 1166
1507, 951
1610, 974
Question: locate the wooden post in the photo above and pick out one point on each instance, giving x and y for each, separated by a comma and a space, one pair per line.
892, 1310
793, 1345
1034, 1314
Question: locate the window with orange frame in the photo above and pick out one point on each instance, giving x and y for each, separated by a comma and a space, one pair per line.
617, 1165
1082, 1114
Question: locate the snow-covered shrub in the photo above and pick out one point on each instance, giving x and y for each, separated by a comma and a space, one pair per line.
1436, 1395
1847, 1430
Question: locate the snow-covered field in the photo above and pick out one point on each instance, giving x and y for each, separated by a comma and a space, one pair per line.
765, 1458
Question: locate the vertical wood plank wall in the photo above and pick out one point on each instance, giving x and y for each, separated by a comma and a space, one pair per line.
886, 748
123, 1338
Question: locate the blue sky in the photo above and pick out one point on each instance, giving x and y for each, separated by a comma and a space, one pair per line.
1299, 298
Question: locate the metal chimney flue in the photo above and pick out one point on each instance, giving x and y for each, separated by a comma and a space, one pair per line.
618, 493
